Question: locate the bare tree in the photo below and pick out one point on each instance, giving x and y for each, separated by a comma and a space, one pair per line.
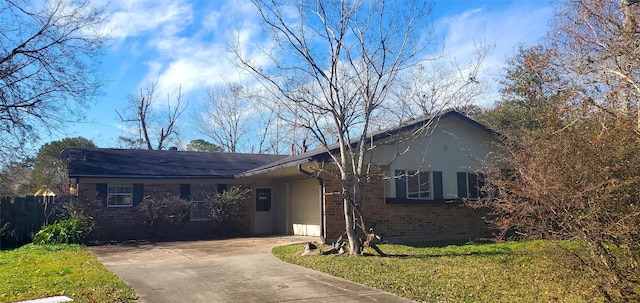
241, 119
332, 67
48, 68
226, 116
150, 122
15, 180
597, 46
272, 135
439, 84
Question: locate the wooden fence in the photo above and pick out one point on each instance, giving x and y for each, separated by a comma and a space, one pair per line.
20, 218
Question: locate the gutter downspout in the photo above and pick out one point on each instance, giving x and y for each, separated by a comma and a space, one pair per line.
321, 198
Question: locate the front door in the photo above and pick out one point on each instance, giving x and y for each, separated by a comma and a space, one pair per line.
263, 212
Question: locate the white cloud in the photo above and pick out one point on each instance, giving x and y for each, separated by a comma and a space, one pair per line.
212, 20
135, 18
125, 129
184, 43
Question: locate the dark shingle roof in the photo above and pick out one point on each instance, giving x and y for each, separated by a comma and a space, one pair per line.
153, 164
128, 163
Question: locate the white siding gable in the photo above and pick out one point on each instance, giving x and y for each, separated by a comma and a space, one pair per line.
452, 146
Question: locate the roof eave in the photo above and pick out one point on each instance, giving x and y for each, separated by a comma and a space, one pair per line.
151, 177
272, 168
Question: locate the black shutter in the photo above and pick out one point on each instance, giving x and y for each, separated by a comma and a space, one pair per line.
462, 185
185, 192
101, 192
437, 185
401, 184
222, 188
138, 193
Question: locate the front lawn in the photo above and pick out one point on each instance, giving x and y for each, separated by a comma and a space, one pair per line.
36, 271
502, 272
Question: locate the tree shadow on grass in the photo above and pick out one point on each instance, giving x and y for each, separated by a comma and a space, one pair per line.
438, 249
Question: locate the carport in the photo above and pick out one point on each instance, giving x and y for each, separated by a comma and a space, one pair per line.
297, 203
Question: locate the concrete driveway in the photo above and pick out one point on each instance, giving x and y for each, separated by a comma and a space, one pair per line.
234, 270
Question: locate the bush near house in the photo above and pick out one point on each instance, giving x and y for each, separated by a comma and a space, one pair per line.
228, 206
22, 217
164, 213
70, 231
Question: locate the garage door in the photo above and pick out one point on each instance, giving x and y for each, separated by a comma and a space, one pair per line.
305, 208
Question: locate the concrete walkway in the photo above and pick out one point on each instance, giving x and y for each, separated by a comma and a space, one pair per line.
235, 270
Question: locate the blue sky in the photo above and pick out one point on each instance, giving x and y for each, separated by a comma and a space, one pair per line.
183, 43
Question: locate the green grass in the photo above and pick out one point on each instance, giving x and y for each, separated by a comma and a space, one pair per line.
36, 271
503, 272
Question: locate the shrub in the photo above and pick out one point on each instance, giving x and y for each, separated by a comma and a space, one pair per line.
164, 211
587, 191
70, 231
228, 205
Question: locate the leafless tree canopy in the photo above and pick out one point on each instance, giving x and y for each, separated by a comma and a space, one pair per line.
15, 180
598, 46
332, 66
225, 118
150, 122
47, 66
239, 118
438, 84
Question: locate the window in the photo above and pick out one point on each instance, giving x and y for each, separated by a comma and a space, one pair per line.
263, 199
418, 185
470, 185
201, 195
119, 195
413, 184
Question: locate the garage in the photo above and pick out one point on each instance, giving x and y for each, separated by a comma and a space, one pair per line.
305, 208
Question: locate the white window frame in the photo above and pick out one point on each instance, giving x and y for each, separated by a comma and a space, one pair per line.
417, 174
198, 210
122, 192
477, 187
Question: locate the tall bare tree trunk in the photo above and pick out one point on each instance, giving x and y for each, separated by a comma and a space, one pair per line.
333, 70
355, 246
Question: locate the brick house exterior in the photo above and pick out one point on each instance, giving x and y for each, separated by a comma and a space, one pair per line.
113, 183
416, 193
449, 219
451, 153
442, 220
112, 221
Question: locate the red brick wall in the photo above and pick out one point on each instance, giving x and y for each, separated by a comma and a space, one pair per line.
429, 219
121, 223
334, 223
